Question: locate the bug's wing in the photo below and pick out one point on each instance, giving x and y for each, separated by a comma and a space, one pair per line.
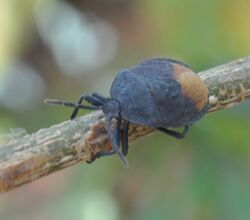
165, 92
146, 97
177, 100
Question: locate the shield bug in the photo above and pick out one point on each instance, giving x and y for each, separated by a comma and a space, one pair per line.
160, 93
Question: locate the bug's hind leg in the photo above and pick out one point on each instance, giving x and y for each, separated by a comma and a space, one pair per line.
124, 141
176, 134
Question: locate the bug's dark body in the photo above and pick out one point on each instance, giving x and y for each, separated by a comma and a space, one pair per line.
150, 95
158, 93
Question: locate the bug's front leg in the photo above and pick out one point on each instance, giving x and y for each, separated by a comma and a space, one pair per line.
124, 136
93, 100
114, 136
115, 139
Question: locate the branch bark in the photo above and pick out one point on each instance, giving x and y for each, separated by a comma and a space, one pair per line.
28, 158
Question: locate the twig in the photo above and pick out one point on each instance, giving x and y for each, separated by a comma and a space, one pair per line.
28, 158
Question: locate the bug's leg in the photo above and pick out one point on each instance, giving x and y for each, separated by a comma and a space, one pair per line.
94, 100
68, 104
100, 97
89, 99
176, 134
115, 139
101, 154
125, 138
74, 113
111, 137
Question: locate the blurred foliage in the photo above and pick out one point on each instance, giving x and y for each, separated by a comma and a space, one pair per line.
66, 48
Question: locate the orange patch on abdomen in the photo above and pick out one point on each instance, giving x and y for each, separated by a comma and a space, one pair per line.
192, 86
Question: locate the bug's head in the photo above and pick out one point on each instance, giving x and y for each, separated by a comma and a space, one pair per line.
111, 109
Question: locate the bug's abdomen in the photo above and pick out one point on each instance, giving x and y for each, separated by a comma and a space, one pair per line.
160, 93
192, 86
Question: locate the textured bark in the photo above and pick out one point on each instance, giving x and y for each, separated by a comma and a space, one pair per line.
30, 157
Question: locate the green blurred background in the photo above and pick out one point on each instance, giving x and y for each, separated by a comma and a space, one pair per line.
61, 49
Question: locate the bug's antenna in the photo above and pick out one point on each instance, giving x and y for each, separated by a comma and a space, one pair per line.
69, 104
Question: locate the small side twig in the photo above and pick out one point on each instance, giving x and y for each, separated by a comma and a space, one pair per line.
33, 156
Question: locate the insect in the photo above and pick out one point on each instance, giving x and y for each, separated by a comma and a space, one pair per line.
159, 92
